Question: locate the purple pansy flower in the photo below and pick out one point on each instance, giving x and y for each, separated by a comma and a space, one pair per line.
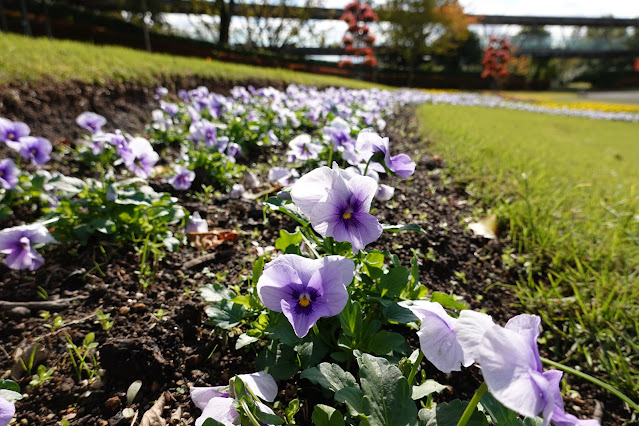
236, 191
7, 411
301, 148
161, 92
142, 157
339, 133
282, 175
8, 173
368, 142
197, 224
338, 204
233, 149
91, 121
305, 290
183, 178
12, 131
437, 338
204, 131
384, 192
36, 149
16, 242
217, 402
169, 108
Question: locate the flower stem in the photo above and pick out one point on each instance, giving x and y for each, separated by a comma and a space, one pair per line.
470, 409
367, 164
594, 380
413, 370
330, 156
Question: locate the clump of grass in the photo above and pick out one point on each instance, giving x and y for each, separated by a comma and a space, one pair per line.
567, 186
30, 59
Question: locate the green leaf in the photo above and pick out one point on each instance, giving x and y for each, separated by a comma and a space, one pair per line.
245, 340
392, 284
351, 319
10, 385
504, 416
428, 387
387, 394
445, 414
212, 422
282, 330
287, 239
394, 312
278, 360
384, 342
311, 353
329, 376
447, 301
268, 418
225, 314
258, 267
353, 398
397, 228
215, 293
9, 395
323, 415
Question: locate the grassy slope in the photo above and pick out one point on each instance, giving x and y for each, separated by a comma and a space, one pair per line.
23, 58
575, 210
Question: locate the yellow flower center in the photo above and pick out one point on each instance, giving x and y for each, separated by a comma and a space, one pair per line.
348, 214
305, 300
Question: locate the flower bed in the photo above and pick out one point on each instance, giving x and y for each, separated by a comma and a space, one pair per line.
305, 281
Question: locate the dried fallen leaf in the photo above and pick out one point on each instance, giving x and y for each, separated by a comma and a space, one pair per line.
254, 196
153, 417
212, 239
28, 355
486, 227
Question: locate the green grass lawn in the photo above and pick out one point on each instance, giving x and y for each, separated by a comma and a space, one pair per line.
23, 58
567, 187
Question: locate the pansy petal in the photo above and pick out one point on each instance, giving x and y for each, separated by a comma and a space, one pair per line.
272, 287
202, 395
303, 266
505, 358
366, 230
363, 189
470, 328
528, 326
327, 281
261, 384
312, 188
7, 411
303, 322
219, 409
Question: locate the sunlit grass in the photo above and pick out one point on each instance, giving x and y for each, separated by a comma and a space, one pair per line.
567, 187
29, 59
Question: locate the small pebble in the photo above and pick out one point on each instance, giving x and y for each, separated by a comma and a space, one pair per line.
124, 310
113, 403
139, 307
19, 312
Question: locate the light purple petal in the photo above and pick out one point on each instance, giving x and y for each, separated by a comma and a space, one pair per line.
328, 282
7, 411
528, 326
470, 328
363, 189
384, 193
261, 384
24, 259
436, 335
303, 266
220, 409
202, 395
312, 188
506, 358
303, 322
365, 230
401, 164
273, 285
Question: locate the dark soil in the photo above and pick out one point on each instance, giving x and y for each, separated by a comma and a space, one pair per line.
160, 336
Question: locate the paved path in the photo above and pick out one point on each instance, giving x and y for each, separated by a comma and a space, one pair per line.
626, 97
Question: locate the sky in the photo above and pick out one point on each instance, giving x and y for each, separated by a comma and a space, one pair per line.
590, 8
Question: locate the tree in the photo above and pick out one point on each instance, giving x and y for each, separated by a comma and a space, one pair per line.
278, 27
423, 27
358, 41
